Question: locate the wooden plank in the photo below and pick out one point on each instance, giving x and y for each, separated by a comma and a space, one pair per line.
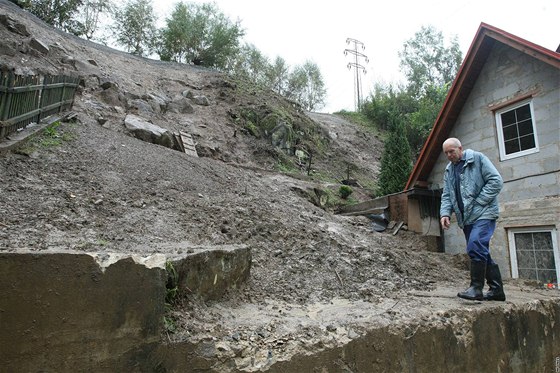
188, 143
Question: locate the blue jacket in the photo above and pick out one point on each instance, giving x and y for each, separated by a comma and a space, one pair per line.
480, 185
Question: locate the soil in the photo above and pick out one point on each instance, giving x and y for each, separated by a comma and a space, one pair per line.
315, 275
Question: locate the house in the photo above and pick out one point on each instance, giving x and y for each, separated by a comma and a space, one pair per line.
504, 102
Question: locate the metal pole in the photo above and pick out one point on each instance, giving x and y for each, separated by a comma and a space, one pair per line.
359, 68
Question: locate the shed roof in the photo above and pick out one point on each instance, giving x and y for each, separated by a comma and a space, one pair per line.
474, 61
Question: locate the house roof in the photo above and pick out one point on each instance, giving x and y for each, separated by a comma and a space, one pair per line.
485, 39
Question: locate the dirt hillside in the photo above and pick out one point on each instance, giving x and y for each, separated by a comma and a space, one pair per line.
91, 186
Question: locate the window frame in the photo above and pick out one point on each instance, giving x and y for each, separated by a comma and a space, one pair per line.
499, 130
513, 252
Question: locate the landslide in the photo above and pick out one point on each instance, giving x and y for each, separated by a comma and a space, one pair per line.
88, 185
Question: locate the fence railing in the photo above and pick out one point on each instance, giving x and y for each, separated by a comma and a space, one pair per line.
28, 99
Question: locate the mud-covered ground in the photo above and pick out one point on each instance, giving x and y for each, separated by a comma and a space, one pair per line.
89, 186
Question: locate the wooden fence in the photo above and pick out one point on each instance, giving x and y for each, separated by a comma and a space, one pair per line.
28, 99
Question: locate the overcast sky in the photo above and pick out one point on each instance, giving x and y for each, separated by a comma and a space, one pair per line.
300, 30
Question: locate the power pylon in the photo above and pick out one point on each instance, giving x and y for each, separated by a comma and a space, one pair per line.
359, 69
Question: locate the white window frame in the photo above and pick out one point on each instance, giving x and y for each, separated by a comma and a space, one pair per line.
513, 253
500, 133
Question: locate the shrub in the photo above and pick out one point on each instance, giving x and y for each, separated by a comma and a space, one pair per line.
344, 191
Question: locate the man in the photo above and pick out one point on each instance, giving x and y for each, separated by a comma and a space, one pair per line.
471, 185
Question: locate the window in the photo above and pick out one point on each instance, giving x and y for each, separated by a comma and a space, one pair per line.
534, 254
516, 130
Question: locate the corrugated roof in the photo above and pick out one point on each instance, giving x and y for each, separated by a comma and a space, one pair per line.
480, 48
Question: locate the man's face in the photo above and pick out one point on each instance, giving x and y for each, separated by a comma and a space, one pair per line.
453, 153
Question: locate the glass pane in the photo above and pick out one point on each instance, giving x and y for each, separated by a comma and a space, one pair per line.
524, 241
523, 113
512, 146
543, 240
545, 259
527, 142
510, 132
508, 118
547, 276
525, 259
525, 127
527, 273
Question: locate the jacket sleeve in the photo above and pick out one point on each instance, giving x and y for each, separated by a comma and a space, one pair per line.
446, 207
493, 182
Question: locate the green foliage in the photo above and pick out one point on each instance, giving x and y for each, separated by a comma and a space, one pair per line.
172, 284
429, 67
57, 13
250, 64
172, 288
396, 161
277, 75
345, 191
420, 121
200, 34
135, 27
387, 102
426, 61
89, 15
306, 86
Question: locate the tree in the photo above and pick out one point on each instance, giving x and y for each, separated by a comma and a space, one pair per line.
57, 13
426, 61
306, 86
90, 12
387, 102
135, 27
250, 63
200, 34
420, 121
277, 76
396, 162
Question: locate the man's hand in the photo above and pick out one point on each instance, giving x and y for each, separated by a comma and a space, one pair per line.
444, 221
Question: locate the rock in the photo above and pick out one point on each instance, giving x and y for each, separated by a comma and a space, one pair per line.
187, 93
180, 106
141, 106
201, 100
39, 46
13, 25
148, 132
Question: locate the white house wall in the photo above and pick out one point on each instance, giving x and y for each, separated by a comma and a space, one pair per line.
531, 183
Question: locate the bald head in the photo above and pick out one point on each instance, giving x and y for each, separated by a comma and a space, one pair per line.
453, 149
452, 141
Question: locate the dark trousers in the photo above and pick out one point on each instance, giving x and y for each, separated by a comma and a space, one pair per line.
478, 237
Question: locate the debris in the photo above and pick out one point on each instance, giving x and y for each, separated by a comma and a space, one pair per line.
398, 227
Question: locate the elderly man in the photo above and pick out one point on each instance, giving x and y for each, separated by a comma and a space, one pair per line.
471, 185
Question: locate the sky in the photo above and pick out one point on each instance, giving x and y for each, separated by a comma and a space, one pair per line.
317, 30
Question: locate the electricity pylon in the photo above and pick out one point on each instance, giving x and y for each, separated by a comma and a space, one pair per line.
359, 68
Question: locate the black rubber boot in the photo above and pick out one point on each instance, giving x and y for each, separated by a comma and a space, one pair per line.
474, 292
494, 281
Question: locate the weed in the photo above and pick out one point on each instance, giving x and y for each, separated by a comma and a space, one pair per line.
172, 289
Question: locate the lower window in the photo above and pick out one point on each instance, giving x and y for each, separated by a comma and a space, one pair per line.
534, 254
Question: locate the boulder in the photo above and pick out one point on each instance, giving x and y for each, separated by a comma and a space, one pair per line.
201, 100
180, 105
13, 25
39, 46
146, 131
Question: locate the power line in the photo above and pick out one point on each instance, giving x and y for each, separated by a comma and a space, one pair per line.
359, 68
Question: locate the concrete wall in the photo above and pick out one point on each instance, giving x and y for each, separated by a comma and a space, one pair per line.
493, 342
76, 312
64, 312
210, 272
506, 75
516, 339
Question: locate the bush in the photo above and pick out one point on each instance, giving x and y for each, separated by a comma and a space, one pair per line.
344, 191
